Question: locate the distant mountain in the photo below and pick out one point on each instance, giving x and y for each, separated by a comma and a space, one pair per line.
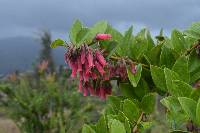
19, 53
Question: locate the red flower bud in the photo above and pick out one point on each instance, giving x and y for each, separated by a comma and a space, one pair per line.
103, 37
133, 69
100, 58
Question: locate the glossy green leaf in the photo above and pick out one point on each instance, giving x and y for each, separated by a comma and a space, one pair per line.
75, 29
178, 41
195, 94
178, 131
99, 27
194, 67
193, 31
57, 42
170, 76
131, 110
114, 102
181, 89
171, 103
167, 57
154, 55
81, 35
117, 127
148, 103
181, 67
87, 129
189, 106
198, 112
158, 77
101, 126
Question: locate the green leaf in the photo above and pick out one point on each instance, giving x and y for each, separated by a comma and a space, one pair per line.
178, 41
127, 90
181, 89
101, 126
81, 35
176, 119
138, 45
87, 129
99, 27
75, 29
141, 89
195, 94
181, 67
171, 103
116, 35
189, 106
124, 44
117, 127
167, 57
154, 55
134, 92
148, 103
158, 77
122, 117
134, 78
194, 67
149, 41
131, 110
114, 102
170, 76
198, 112
57, 42
178, 131
194, 30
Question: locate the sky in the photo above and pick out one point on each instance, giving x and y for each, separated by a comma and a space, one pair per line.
28, 17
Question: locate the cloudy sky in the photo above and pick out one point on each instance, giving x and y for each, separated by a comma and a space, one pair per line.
27, 17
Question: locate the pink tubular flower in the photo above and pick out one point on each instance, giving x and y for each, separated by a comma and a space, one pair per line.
83, 55
79, 64
90, 58
102, 93
103, 36
85, 91
93, 75
87, 68
74, 69
85, 76
100, 58
81, 76
99, 68
91, 90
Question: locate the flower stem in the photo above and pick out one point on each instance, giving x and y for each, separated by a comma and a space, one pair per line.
128, 60
138, 121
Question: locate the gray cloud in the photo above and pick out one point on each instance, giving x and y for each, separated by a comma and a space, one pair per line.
24, 17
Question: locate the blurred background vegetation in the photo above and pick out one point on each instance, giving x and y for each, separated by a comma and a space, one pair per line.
45, 99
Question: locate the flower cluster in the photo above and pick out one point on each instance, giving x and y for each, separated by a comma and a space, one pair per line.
93, 70
90, 65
